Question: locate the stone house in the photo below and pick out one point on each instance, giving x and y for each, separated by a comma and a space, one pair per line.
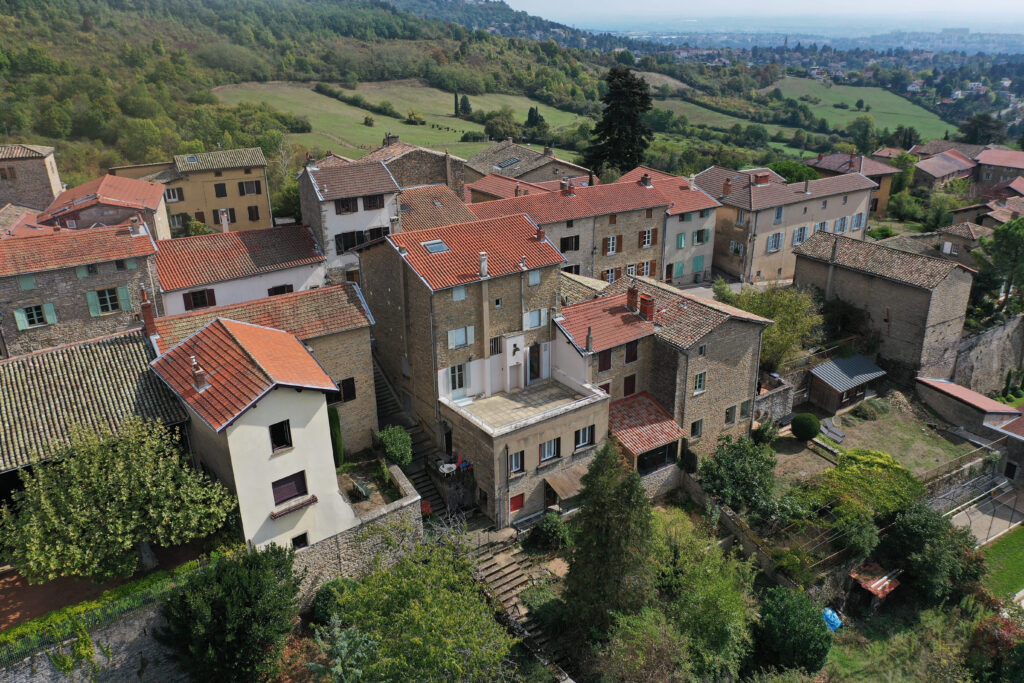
258, 423
347, 205
960, 239
992, 213
522, 163
231, 267
604, 231
763, 218
915, 304
937, 170
997, 166
828, 165
334, 324
226, 189
413, 166
464, 333
109, 201
689, 236
71, 285
29, 176
432, 206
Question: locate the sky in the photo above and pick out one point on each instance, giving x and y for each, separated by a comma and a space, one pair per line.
860, 16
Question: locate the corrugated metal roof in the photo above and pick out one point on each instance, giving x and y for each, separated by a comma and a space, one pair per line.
843, 374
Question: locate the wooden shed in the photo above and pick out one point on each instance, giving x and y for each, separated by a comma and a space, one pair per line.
842, 382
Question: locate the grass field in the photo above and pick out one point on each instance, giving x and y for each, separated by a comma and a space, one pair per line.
904, 437
888, 109
1006, 562
699, 116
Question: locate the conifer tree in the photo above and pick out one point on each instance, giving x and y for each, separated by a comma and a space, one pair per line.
622, 135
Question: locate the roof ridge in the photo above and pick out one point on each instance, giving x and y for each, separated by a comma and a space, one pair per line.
947, 262
276, 297
69, 345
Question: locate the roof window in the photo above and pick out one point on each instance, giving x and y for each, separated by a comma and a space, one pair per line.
435, 246
509, 162
192, 159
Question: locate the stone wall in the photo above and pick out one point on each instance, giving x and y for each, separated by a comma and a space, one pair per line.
660, 482
951, 410
774, 405
343, 355
427, 167
36, 182
983, 359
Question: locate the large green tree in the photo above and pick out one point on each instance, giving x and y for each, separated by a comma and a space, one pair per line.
862, 131
622, 135
645, 647
794, 171
104, 498
983, 129
791, 633
1004, 251
741, 474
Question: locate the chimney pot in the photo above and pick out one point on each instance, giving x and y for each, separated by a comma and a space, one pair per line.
134, 226
483, 264
548, 151
198, 375
645, 180
647, 307
522, 262
146, 306
631, 298
590, 339
519, 189
807, 186
540, 234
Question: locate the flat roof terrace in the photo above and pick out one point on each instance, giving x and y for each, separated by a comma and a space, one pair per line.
508, 411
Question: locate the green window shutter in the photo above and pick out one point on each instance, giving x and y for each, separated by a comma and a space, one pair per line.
26, 282
679, 268
130, 264
681, 240
94, 303
20, 319
687, 217
124, 299
49, 313
82, 272
698, 263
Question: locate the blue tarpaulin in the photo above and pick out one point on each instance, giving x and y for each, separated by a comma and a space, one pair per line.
832, 620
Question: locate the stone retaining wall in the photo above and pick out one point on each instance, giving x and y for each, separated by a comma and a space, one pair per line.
660, 482
774, 405
983, 360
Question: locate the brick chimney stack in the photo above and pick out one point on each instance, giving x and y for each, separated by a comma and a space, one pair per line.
198, 376
726, 187
647, 307
540, 234
645, 180
631, 298
548, 151
146, 306
519, 189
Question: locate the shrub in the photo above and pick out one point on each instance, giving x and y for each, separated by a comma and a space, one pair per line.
791, 633
645, 647
766, 433
397, 444
805, 426
368, 121
881, 232
336, 443
552, 533
1018, 392
327, 596
865, 411
473, 136
741, 475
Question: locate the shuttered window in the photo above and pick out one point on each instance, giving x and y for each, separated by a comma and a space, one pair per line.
204, 298
515, 503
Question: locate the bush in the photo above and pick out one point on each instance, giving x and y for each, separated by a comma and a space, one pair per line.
368, 121
881, 232
552, 533
805, 426
327, 596
766, 433
791, 633
336, 443
397, 444
1018, 393
865, 411
473, 136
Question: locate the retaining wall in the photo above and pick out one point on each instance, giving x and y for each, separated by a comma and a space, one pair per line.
983, 359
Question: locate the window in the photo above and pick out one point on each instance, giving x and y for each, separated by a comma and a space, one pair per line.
280, 289
704, 213
348, 240
435, 246
820, 227
290, 487
778, 214
745, 409
497, 303
736, 248
730, 415
612, 219
685, 217
515, 503
575, 270
568, 224
377, 233
681, 240
174, 194
496, 345
254, 213
346, 205
799, 235
700, 382
301, 541
458, 293
645, 268
108, 300
584, 437
650, 213
696, 429
86, 271
858, 222
200, 217
535, 318
824, 203
280, 435
178, 221
220, 190
629, 385
549, 450
33, 317
373, 202
608, 275
774, 242
631, 269
741, 216
698, 263
462, 336
613, 244
231, 214
571, 243
457, 377
604, 360
702, 350
348, 389
645, 238
247, 187
840, 225
515, 462
203, 298
632, 349
26, 282
844, 200
700, 236
533, 278
8, 173
126, 264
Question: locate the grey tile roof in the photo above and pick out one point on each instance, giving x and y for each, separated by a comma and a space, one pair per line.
843, 374
97, 383
512, 160
851, 163
249, 157
352, 180
575, 289
745, 194
24, 151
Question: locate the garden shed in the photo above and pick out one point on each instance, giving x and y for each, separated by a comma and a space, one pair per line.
842, 382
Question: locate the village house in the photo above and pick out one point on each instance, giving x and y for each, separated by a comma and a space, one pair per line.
226, 189
886, 154
763, 218
28, 176
258, 422
916, 305
413, 166
347, 205
997, 166
464, 334
992, 213
935, 171
954, 242
572, 288
108, 201
881, 173
71, 285
432, 206
604, 231
334, 324
13, 217
231, 267
522, 163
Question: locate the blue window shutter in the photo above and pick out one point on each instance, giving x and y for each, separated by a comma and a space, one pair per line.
688, 217
94, 303
698, 263
680, 268
124, 299
82, 272
20, 319
130, 264
26, 282
49, 314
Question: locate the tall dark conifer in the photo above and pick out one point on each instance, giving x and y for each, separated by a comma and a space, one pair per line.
621, 136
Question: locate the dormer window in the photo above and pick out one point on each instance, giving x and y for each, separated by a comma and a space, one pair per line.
435, 246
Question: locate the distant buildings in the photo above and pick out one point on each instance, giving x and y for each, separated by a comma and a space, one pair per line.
522, 163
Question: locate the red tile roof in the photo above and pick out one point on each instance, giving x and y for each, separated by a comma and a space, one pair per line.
185, 262
637, 173
70, 248
946, 163
432, 206
107, 190
610, 323
577, 180
242, 363
640, 424
683, 196
503, 187
1017, 185
307, 314
967, 396
1015, 427
967, 230
851, 163
506, 240
887, 152
1009, 158
352, 180
554, 207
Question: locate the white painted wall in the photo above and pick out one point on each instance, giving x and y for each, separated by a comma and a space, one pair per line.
250, 288
255, 467
477, 370
335, 224
686, 255
567, 360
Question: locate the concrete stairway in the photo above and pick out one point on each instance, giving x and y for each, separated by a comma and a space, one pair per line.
388, 406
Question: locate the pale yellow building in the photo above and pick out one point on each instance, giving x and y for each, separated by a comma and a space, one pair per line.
201, 185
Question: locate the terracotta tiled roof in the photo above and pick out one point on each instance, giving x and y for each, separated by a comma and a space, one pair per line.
577, 288
397, 149
96, 384
1015, 427
10, 152
352, 180
506, 240
609, 321
107, 190
683, 196
185, 262
332, 159
554, 207
967, 230
1017, 185
946, 163
744, 194
1002, 211
70, 248
432, 206
640, 424
307, 314
851, 163
939, 146
887, 152
577, 180
14, 213
637, 173
968, 396
512, 160
242, 362
503, 187
1009, 158
250, 157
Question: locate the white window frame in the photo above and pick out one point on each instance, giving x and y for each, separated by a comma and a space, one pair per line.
172, 195
647, 239
461, 337
699, 431
645, 269
613, 244
778, 215
741, 217
799, 235
535, 318
839, 225
533, 278
631, 269
549, 450
459, 293
516, 462
587, 436
700, 383
858, 222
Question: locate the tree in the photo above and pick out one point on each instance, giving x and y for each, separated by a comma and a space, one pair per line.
97, 506
859, 104
862, 131
626, 57
907, 164
1004, 252
741, 474
609, 569
465, 108
229, 622
348, 651
621, 136
905, 137
805, 426
905, 207
794, 171
791, 633
983, 129
501, 124
287, 202
644, 647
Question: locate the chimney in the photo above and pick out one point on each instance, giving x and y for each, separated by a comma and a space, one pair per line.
807, 186
590, 339
821, 156
726, 187
647, 307
645, 180
540, 235
402, 251
519, 189
389, 139
483, 264
522, 263
134, 227
548, 152
761, 178
631, 297
198, 376
146, 306
563, 185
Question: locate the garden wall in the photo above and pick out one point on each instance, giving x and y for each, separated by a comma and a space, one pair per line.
660, 482
775, 404
983, 359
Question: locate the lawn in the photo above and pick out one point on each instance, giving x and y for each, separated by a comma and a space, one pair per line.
700, 116
1006, 563
888, 109
796, 463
